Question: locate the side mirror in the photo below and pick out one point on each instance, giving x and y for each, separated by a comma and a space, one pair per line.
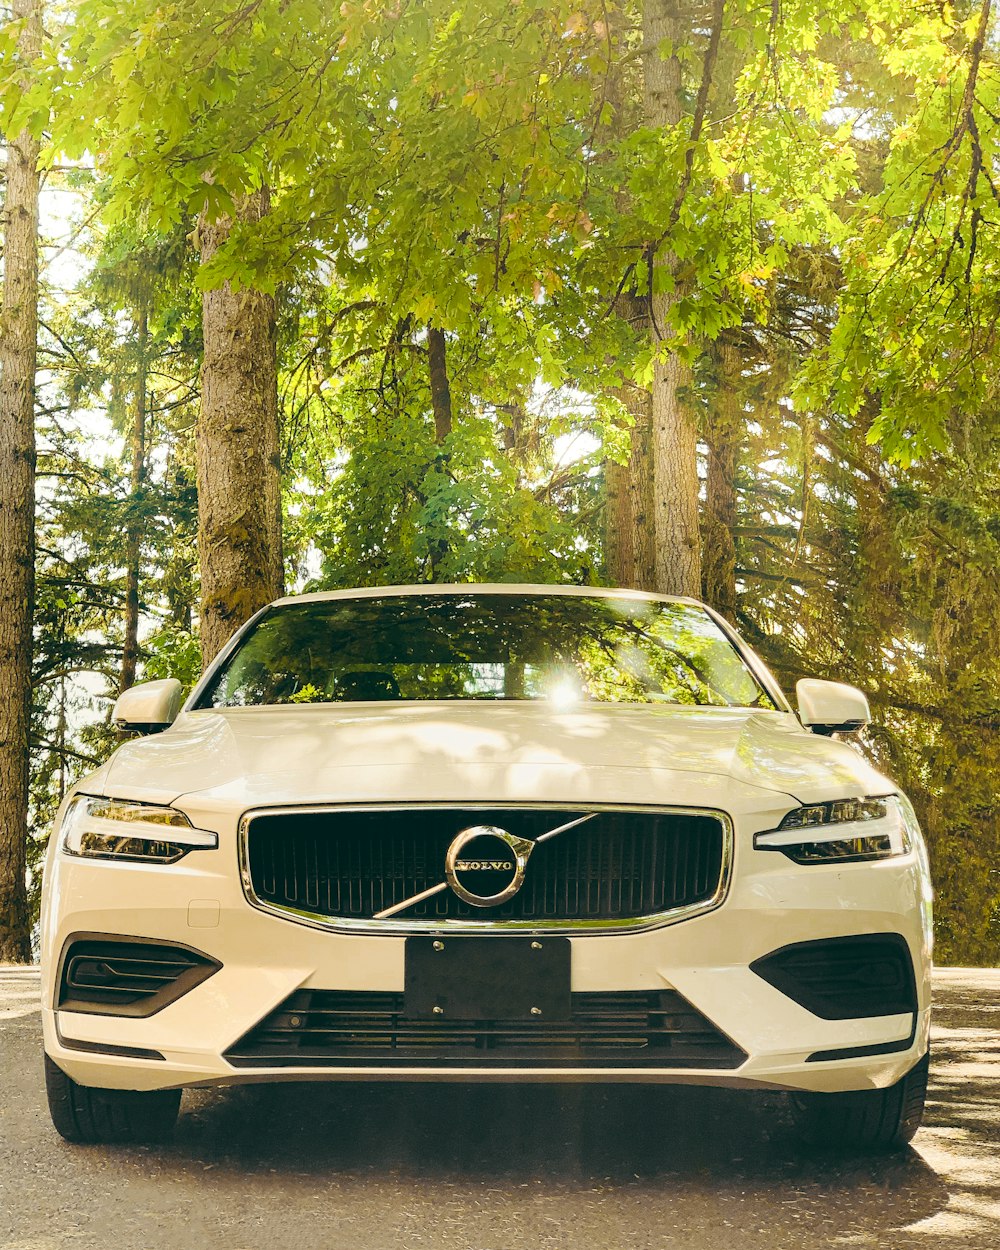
149, 707
827, 707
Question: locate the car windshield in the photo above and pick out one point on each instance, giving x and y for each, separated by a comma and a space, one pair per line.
565, 649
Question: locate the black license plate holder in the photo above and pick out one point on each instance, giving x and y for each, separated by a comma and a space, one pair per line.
487, 978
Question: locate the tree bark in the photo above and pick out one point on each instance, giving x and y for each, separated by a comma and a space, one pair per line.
617, 524
640, 485
238, 449
440, 390
512, 428
723, 438
629, 543
437, 363
133, 538
629, 546
18, 349
674, 448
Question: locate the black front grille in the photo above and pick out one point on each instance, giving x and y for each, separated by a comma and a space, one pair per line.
103, 975
845, 978
316, 1028
354, 864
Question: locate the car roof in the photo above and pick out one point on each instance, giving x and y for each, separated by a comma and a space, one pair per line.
485, 588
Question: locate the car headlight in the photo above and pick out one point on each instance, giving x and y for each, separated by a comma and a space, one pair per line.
842, 831
120, 829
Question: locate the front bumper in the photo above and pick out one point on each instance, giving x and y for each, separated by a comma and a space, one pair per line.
199, 902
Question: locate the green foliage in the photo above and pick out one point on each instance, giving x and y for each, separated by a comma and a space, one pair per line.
918, 319
173, 651
90, 356
828, 203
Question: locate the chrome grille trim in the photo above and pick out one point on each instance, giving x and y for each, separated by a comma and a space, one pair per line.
567, 927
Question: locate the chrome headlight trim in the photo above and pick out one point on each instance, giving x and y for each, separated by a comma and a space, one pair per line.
568, 928
127, 830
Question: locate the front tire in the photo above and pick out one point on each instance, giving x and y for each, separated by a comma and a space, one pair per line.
84, 1114
869, 1121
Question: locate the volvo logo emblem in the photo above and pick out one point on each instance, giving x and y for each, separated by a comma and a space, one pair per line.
485, 865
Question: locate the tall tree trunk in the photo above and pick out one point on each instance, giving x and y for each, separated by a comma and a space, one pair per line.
629, 540
617, 524
674, 447
133, 537
18, 347
628, 532
239, 474
437, 360
640, 485
437, 364
723, 432
629, 544
61, 726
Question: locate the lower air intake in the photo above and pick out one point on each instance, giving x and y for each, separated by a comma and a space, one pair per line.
845, 978
127, 977
317, 1028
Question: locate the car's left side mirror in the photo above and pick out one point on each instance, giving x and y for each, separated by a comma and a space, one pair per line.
828, 707
150, 707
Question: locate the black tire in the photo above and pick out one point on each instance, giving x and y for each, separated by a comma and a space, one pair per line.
110, 1116
870, 1121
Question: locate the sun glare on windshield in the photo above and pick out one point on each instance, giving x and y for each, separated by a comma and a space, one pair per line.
563, 649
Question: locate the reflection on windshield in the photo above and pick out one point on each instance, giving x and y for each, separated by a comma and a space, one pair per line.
561, 648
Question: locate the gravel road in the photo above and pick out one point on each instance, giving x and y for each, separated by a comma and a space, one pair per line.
501, 1168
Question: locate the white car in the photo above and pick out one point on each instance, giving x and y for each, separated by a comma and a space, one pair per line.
491, 833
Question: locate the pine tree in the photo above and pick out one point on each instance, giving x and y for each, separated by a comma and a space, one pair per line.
18, 340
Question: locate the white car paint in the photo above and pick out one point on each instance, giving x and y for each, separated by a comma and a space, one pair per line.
216, 765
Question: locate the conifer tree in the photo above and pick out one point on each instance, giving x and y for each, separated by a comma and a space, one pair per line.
18, 354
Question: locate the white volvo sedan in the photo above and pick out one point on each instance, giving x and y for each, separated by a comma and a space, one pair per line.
488, 833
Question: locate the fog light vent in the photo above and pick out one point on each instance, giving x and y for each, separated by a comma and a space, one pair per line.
845, 978
127, 976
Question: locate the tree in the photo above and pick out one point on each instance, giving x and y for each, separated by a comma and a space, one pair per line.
239, 467
18, 339
723, 431
146, 278
137, 477
918, 329
484, 235
666, 28
192, 147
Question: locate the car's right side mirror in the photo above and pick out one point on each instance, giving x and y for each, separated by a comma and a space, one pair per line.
149, 707
828, 707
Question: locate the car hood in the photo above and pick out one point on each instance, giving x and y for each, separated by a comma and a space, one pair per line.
454, 752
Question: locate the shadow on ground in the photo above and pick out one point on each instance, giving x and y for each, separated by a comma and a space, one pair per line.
504, 1132
674, 1148
471, 1167
961, 1137
672, 1166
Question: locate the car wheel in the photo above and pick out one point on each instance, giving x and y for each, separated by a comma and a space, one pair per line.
85, 1114
870, 1120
